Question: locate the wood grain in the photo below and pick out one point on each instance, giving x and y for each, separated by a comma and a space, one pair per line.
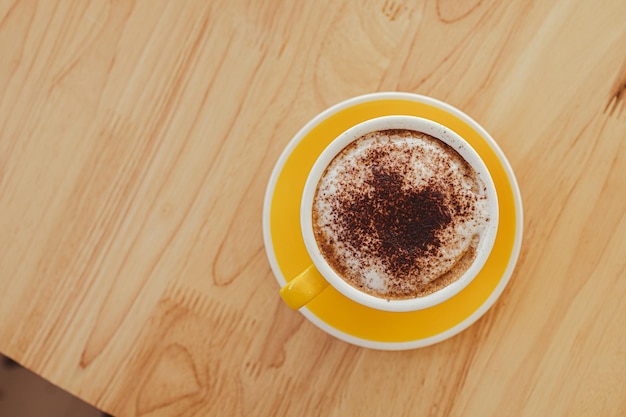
136, 141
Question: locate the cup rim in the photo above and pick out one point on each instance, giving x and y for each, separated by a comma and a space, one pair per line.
438, 131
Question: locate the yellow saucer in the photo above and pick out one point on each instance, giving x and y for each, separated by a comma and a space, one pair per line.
342, 317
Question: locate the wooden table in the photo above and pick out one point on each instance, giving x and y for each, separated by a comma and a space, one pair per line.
136, 141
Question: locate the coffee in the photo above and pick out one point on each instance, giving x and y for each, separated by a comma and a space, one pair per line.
399, 214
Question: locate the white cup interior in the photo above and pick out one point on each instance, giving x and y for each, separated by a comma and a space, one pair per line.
397, 122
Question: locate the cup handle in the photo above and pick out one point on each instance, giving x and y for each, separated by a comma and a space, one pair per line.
303, 288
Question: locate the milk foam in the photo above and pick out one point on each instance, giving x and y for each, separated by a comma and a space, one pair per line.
423, 163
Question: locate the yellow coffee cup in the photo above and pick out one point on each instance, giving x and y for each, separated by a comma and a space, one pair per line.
314, 279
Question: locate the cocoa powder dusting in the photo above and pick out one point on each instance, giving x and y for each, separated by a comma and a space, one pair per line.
399, 225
